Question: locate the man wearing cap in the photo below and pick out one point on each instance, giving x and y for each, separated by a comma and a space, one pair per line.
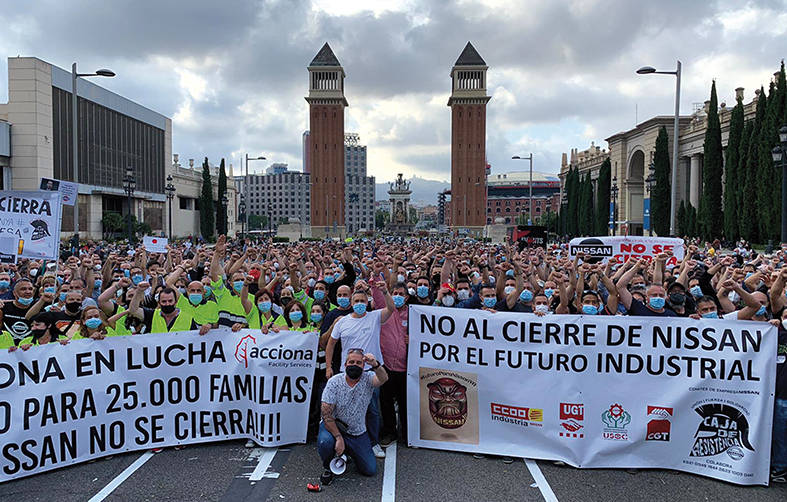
344, 403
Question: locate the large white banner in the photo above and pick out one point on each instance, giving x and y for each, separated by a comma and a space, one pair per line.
595, 391
34, 219
61, 405
625, 248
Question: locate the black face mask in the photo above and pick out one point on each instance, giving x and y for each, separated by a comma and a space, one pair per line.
37, 333
73, 306
168, 309
353, 372
677, 298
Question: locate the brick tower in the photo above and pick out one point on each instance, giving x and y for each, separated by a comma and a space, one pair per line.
468, 141
326, 143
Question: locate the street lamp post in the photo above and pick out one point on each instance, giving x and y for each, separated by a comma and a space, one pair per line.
779, 154
651, 182
270, 219
75, 132
674, 186
614, 191
242, 209
246, 184
530, 196
129, 184
170, 189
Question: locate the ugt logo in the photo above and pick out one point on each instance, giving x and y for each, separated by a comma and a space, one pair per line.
242, 349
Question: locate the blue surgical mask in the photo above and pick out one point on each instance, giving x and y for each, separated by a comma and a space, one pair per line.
343, 302
296, 315
50, 289
749, 274
264, 306
656, 302
97, 283
400, 278
510, 273
761, 311
25, 301
316, 318
195, 298
589, 309
711, 315
526, 295
336, 275
329, 279
490, 302
62, 296
319, 294
398, 300
422, 291
548, 292
696, 291
6, 284
237, 286
127, 272
136, 279
310, 283
93, 322
182, 290
359, 308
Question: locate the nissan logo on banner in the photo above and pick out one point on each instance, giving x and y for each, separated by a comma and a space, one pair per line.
593, 248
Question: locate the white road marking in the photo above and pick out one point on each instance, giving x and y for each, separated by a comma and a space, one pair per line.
128, 471
389, 474
265, 461
541, 481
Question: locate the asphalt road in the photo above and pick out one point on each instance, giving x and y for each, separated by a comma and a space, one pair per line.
229, 471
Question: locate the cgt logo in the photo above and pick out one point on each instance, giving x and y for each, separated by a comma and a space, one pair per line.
572, 415
659, 423
242, 349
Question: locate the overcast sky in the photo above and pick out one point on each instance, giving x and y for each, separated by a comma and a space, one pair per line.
232, 74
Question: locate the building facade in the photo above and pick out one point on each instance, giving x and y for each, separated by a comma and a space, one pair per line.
281, 196
188, 191
508, 199
631, 154
359, 197
468, 140
326, 137
113, 133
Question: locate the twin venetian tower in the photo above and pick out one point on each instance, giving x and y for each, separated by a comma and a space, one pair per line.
326, 142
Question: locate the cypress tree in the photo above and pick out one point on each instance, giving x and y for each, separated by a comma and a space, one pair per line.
603, 185
731, 193
712, 219
572, 203
206, 214
660, 197
765, 171
750, 200
681, 217
772, 174
221, 210
740, 187
691, 220
587, 206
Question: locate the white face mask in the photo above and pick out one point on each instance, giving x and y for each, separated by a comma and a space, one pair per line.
784, 323
509, 289
463, 294
734, 297
411, 291
448, 301
400, 278
542, 309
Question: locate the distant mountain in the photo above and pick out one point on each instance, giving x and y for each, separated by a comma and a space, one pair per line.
424, 191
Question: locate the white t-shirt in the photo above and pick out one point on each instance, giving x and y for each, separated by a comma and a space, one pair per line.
359, 332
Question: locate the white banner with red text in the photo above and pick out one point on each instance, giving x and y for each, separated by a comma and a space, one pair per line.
595, 391
626, 247
61, 405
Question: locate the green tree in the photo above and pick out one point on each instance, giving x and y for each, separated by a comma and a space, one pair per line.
603, 184
731, 201
691, 220
221, 210
257, 222
573, 194
750, 230
206, 209
681, 217
711, 219
769, 197
660, 204
741, 175
111, 222
381, 219
587, 215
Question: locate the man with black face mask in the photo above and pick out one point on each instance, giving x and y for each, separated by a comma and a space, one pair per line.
66, 323
344, 402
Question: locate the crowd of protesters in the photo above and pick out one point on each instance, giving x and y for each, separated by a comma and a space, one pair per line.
355, 295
